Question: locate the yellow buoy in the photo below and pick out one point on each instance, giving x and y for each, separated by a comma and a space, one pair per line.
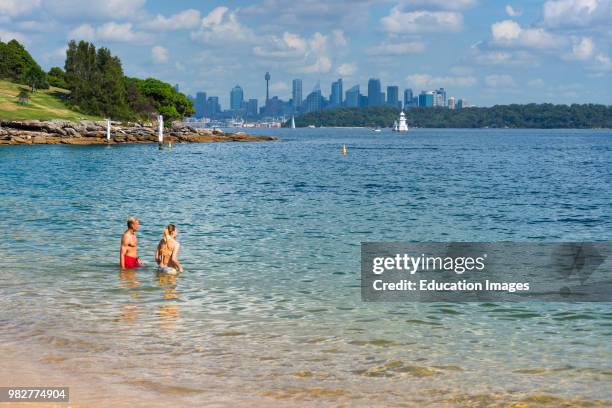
343, 149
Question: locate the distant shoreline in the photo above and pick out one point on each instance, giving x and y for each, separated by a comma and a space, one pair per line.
87, 132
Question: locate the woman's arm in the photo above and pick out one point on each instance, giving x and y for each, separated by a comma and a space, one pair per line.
175, 257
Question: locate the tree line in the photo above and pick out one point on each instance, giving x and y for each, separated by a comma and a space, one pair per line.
542, 116
96, 83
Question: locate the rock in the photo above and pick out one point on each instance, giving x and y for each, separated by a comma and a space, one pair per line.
39, 139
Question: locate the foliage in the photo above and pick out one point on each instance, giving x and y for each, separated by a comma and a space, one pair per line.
532, 115
57, 78
17, 65
98, 87
24, 96
36, 78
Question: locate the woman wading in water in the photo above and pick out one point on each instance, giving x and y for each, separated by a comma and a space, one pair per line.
166, 255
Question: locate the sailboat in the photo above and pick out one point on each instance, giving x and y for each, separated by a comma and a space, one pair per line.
293, 122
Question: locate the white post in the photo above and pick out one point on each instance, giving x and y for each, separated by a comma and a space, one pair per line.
160, 131
108, 125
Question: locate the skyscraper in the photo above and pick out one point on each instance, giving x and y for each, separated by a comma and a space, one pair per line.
426, 99
451, 102
335, 98
352, 97
296, 93
408, 98
236, 97
200, 104
212, 106
251, 107
314, 101
393, 96
374, 94
439, 97
267, 77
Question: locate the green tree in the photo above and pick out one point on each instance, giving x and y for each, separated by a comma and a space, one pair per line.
24, 96
57, 77
35, 78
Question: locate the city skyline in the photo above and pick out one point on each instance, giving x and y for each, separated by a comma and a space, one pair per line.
488, 52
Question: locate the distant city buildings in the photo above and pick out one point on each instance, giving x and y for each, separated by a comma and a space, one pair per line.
208, 106
236, 98
375, 96
393, 97
335, 99
296, 94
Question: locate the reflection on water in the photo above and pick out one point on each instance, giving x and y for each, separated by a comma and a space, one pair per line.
268, 311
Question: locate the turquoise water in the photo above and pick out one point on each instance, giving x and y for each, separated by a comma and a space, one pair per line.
269, 307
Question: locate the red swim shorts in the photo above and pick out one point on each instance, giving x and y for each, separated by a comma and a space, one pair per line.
131, 262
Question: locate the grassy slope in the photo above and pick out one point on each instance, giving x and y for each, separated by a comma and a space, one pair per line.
43, 104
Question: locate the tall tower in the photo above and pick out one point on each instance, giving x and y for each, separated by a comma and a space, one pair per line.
267, 87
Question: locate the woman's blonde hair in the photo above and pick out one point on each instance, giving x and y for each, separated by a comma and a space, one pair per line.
168, 230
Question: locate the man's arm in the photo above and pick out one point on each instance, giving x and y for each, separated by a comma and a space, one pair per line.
122, 251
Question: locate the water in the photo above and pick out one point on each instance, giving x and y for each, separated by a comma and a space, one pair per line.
268, 311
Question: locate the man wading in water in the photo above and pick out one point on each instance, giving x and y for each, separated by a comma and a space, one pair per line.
128, 254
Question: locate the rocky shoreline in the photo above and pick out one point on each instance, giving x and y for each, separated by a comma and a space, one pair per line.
88, 132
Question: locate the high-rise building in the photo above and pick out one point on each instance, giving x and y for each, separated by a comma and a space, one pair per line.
393, 96
251, 107
426, 99
408, 98
439, 97
213, 108
236, 97
374, 95
335, 98
314, 101
352, 97
461, 103
200, 104
451, 102
296, 93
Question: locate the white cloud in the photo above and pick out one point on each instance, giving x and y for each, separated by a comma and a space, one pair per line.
222, 26
111, 31
279, 87
94, 10
6, 36
411, 47
583, 49
576, 13
159, 54
500, 81
347, 69
512, 12
321, 66
13, 8
510, 33
603, 63
439, 4
505, 57
82, 32
421, 21
185, 20
429, 81
536, 83
339, 38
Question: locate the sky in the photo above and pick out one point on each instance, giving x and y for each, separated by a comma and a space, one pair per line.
487, 52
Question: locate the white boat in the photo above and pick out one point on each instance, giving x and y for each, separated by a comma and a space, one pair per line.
376, 130
401, 125
293, 122
312, 126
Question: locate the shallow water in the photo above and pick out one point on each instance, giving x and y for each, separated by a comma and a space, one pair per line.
269, 307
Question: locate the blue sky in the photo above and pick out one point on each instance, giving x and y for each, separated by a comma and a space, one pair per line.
488, 52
